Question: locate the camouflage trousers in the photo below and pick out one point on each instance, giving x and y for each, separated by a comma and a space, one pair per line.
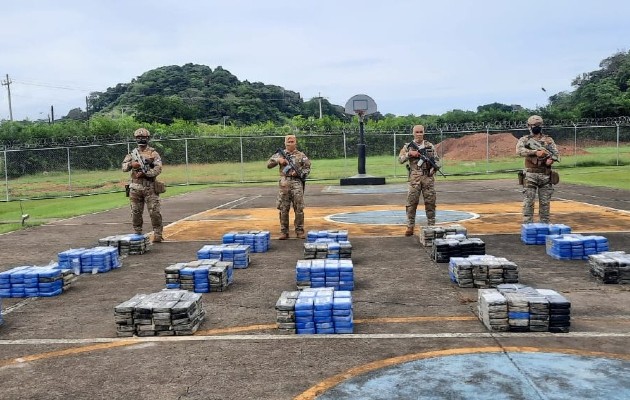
425, 185
291, 193
138, 198
537, 183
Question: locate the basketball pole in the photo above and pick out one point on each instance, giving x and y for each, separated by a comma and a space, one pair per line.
361, 145
361, 105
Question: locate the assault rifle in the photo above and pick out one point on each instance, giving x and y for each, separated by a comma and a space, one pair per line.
144, 163
425, 158
533, 144
291, 166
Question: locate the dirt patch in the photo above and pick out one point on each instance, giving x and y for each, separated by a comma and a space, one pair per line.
499, 145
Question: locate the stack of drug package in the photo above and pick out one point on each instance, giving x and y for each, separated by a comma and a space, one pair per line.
528, 308
323, 311
259, 241
559, 311
68, 276
573, 246
536, 233
518, 311
318, 273
610, 266
429, 233
31, 281
237, 254
94, 260
327, 248
336, 235
166, 313
200, 276
128, 244
285, 312
492, 310
520, 308
456, 245
482, 271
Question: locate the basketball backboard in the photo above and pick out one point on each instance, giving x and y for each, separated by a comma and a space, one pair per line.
360, 104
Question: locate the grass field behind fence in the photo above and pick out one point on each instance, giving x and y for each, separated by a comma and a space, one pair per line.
81, 182
101, 190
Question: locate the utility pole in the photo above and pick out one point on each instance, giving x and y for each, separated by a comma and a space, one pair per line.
87, 111
52, 115
320, 104
8, 83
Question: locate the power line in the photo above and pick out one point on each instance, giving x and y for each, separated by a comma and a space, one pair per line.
52, 86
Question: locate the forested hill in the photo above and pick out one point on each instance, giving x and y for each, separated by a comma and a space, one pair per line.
195, 92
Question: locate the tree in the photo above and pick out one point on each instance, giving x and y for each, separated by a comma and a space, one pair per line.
164, 109
76, 114
601, 93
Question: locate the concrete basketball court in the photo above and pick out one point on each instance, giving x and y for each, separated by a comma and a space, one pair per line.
417, 335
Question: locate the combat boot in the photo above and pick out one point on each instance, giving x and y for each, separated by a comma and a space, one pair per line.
300, 235
283, 236
157, 238
409, 231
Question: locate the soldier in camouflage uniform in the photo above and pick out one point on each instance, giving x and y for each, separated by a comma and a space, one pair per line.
291, 186
537, 173
421, 178
142, 184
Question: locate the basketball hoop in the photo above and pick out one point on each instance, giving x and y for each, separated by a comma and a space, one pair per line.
360, 105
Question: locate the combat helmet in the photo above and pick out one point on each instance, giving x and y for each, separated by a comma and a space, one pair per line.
141, 132
535, 120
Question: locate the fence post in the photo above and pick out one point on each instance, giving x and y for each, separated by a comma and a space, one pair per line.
395, 157
6, 173
69, 172
442, 147
186, 158
345, 154
574, 144
487, 149
617, 123
240, 138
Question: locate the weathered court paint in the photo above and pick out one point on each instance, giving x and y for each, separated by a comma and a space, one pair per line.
496, 218
398, 217
483, 373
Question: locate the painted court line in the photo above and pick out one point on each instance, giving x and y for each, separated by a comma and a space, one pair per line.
595, 205
229, 205
98, 344
351, 336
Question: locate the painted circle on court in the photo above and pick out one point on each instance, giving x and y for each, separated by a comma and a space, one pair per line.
486, 376
398, 217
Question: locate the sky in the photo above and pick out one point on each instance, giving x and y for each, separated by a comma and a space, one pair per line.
410, 56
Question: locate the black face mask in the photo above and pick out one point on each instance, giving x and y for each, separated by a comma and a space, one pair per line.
142, 141
536, 130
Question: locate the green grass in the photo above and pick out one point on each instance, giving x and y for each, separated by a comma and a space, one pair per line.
46, 210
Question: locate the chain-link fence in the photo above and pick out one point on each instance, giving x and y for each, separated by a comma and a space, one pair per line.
59, 171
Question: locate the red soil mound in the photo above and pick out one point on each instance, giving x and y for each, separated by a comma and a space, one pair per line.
475, 147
